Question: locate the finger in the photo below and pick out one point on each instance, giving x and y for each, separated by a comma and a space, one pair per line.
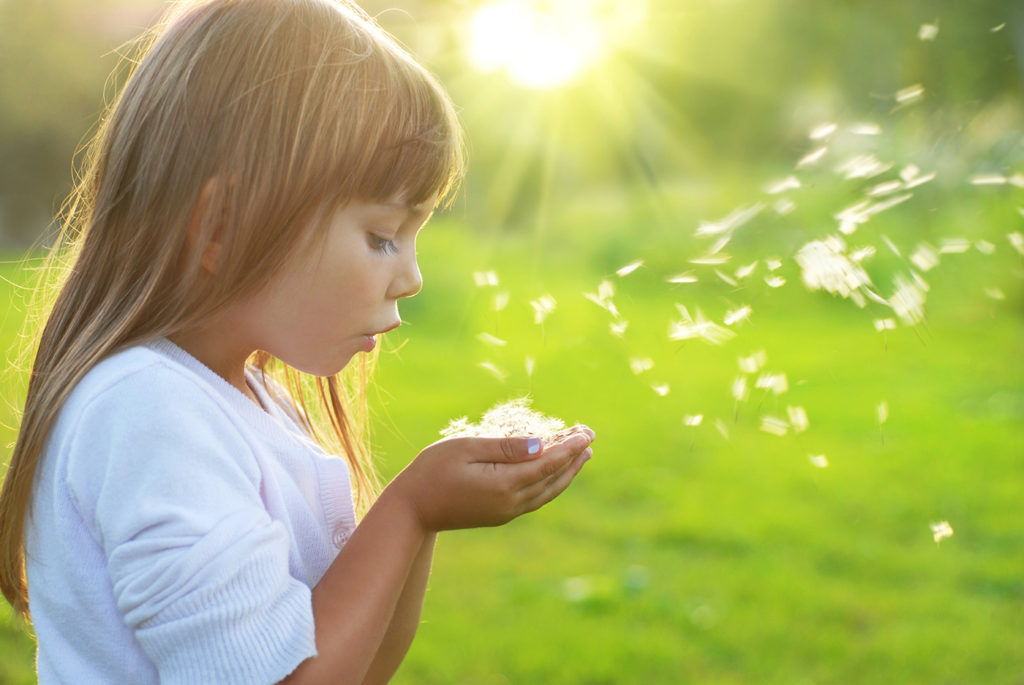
553, 460
507, 450
547, 490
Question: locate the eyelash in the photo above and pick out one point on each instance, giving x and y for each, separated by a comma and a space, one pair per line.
383, 245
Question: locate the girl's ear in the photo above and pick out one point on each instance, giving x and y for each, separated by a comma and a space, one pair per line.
206, 227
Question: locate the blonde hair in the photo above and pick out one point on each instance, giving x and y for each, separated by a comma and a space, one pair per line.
290, 108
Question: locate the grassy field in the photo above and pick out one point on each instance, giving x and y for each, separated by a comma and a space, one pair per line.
719, 553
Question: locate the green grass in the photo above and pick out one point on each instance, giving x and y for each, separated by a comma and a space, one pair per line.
682, 555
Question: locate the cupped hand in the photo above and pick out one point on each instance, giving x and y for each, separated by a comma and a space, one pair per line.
467, 482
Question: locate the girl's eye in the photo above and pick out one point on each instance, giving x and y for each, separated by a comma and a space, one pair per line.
382, 244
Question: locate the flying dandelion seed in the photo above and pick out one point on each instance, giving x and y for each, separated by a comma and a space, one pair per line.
727, 279
852, 217
753, 363
638, 366
488, 339
686, 277
818, 460
784, 206
719, 245
866, 129
995, 293
775, 281
722, 428
737, 315
745, 271
812, 157
907, 301
773, 264
693, 420
941, 531
862, 166
776, 382
989, 180
529, 363
885, 188
1017, 241
925, 257
822, 131
699, 327
484, 279
514, 418
825, 266
788, 183
1016, 180
910, 94
997, 29
892, 246
797, 418
984, 247
494, 370
954, 246
629, 268
618, 328
885, 325
928, 31
661, 389
711, 260
739, 388
862, 253
920, 180
603, 297
500, 301
542, 308
774, 425
738, 217
882, 412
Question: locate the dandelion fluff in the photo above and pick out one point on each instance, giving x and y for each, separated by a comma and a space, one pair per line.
818, 460
825, 266
907, 301
941, 531
774, 425
925, 257
514, 418
542, 308
1017, 241
488, 339
984, 247
693, 420
629, 268
812, 157
797, 418
928, 31
639, 365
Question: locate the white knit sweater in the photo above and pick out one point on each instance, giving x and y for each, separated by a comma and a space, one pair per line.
177, 529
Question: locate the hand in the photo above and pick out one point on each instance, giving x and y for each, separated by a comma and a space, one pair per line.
472, 482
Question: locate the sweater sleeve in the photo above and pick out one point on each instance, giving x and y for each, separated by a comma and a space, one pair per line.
170, 489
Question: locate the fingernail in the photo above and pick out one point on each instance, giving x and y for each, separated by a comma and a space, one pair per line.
533, 445
587, 454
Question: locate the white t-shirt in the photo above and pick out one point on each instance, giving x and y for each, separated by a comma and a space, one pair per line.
177, 529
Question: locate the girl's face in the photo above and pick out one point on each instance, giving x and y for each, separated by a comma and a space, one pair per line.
332, 299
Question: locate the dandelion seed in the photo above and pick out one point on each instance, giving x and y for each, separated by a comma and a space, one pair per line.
775, 281
823, 130
772, 264
484, 279
494, 371
693, 420
788, 183
488, 339
1016, 180
1017, 240
862, 166
725, 278
662, 389
699, 327
984, 247
941, 531
784, 206
508, 419
542, 307
825, 266
500, 301
753, 363
638, 366
928, 31
818, 460
892, 246
618, 328
988, 180
745, 271
812, 157
686, 277
879, 207
907, 301
882, 412
852, 217
722, 428
774, 425
711, 260
997, 29
629, 268
885, 325
603, 297
925, 257
866, 129
776, 382
860, 254
995, 293
729, 224
529, 363
739, 388
737, 315
797, 418
920, 180
954, 246
910, 94
885, 188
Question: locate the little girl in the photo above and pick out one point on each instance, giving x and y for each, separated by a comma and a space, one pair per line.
244, 230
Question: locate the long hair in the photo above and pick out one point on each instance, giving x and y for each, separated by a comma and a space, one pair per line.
274, 111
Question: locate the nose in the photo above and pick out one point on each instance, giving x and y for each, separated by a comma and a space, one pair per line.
409, 280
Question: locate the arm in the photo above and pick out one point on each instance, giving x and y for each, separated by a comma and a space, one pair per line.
367, 605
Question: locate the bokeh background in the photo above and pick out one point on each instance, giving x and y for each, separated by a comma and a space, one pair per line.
772, 251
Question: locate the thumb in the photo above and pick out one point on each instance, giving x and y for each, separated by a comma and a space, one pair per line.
512, 449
